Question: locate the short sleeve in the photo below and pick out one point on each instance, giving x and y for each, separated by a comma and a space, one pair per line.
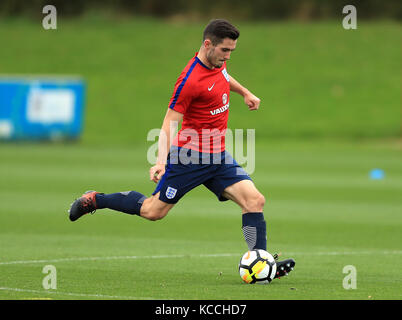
183, 92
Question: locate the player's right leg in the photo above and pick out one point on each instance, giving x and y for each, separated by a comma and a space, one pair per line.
154, 209
178, 179
130, 202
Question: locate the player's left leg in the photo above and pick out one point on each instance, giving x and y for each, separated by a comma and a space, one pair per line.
246, 195
251, 202
231, 182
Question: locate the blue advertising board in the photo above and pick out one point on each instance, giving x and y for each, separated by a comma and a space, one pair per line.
41, 108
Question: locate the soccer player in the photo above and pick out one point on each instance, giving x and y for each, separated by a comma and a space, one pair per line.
200, 101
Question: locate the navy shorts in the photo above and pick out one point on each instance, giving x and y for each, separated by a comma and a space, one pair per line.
187, 169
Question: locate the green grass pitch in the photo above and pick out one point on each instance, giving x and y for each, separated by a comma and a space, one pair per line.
326, 93
322, 209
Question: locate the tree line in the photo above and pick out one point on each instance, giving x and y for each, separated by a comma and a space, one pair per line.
239, 9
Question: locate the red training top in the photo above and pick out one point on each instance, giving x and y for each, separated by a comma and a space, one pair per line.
202, 96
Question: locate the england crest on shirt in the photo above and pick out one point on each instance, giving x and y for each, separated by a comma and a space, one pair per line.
171, 192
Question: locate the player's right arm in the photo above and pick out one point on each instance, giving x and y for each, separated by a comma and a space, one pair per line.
170, 122
181, 98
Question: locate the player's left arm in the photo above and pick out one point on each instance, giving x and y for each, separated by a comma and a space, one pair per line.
250, 99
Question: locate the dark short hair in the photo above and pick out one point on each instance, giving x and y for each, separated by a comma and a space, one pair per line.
219, 29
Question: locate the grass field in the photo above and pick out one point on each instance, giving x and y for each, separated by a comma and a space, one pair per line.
330, 113
314, 79
322, 210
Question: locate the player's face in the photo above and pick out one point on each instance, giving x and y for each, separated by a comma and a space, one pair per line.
218, 54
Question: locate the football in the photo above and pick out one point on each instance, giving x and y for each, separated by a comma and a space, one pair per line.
257, 266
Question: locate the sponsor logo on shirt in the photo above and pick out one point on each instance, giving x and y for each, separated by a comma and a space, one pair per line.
224, 107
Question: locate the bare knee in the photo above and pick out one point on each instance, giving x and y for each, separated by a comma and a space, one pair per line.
154, 210
255, 203
154, 214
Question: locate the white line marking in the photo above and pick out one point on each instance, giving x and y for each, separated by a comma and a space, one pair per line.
325, 253
328, 253
119, 258
75, 294
345, 253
